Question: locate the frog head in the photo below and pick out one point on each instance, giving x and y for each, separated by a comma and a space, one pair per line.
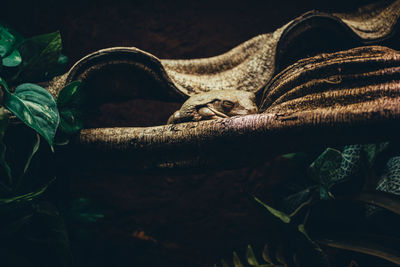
215, 104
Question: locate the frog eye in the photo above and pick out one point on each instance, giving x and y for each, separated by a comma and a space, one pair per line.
226, 104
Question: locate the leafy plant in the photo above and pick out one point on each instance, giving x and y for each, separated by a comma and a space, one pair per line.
69, 103
34, 106
252, 260
352, 205
23, 206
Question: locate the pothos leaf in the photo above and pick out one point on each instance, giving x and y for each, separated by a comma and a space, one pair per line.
7, 41
69, 95
71, 121
69, 103
36, 107
13, 60
40, 54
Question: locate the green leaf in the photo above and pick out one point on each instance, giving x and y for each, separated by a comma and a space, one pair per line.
7, 41
13, 60
36, 107
26, 197
291, 203
71, 121
4, 116
302, 230
70, 94
326, 164
266, 255
279, 214
251, 258
236, 260
70, 101
40, 53
325, 169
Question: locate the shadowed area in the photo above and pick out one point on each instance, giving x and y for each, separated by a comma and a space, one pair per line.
186, 219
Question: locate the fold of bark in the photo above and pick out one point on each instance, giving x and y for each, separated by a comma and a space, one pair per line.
350, 96
250, 65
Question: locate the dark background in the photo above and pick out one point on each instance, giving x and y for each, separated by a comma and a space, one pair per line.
164, 219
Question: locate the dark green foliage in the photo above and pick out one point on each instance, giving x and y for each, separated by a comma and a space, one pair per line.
389, 181
35, 106
33, 234
331, 212
348, 172
70, 104
40, 54
34, 59
326, 171
279, 214
345, 170
251, 259
13, 60
32, 231
9, 42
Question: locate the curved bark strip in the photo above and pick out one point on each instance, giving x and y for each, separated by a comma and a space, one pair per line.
334, 80
244, 139
250, 65
350, 96
346, 97
134, 61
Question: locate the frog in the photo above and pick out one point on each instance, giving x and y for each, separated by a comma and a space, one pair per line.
215, 104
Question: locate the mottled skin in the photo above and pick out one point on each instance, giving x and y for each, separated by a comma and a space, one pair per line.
215, 104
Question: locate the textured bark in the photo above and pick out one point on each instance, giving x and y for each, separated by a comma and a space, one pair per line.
333, 98
248, 66
346, 97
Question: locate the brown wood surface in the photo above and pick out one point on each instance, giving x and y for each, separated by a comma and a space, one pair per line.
196, 219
